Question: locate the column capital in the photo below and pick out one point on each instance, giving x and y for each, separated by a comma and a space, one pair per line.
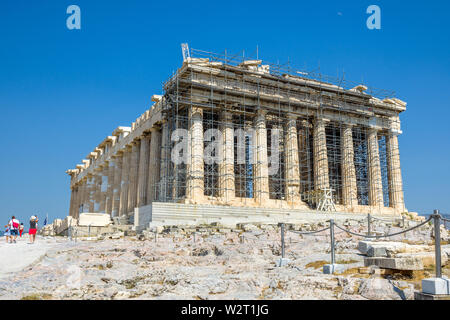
226, 115
261, 112
305, 124
348, 125
373, 129
98, 168
145, 136
320, 119
290, 116
394, 132
135, 141
196, 109
155, 128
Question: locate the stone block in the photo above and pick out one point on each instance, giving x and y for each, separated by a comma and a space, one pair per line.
364, 270
94, 219
436, 286
332, 268
427, 296
407, 263
392, 248
428, 258
363, 246
376, 252
283, 262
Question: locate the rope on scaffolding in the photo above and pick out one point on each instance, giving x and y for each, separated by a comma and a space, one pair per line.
386, 235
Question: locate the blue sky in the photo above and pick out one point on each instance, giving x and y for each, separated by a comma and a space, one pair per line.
62, 91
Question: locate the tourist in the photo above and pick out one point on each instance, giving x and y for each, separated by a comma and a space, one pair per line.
21, 229
14, 228
33, 229
7, 234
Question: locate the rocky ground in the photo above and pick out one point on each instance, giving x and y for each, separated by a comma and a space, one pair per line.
216, 266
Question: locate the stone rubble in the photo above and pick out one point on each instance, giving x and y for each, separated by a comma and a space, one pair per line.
212, 262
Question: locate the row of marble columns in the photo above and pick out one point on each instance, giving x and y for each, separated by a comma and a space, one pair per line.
126, 181
135, 171
195, 177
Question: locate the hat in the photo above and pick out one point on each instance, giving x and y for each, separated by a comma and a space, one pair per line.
33, 218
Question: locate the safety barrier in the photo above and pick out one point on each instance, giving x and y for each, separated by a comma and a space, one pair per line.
436, 217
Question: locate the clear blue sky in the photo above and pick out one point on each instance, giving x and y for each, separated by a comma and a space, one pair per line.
62, 91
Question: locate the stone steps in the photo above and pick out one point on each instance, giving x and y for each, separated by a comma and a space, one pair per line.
164, 213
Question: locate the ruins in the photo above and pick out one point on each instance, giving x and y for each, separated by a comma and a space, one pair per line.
336, 148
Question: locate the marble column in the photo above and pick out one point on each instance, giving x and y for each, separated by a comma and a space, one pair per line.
90, 193
165, 161
396, 199
306, 172
110, 187
195, 183
154, 165
143, 170
374, 170
98, 179
78, 201
349, 188
292, 165
103, 187
134, 175
73, 197
226, 167
261, 171
118, 160
83, 195
321, 179
124, 185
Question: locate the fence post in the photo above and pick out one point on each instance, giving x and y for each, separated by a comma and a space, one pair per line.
437, 242
368, 225
333, 258
282, 240
89, 230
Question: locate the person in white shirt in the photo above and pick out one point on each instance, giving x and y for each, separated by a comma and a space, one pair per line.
14, 225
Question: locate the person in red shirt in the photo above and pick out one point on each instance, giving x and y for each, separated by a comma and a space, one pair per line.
21, 227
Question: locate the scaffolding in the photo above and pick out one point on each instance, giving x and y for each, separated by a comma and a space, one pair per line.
243, 86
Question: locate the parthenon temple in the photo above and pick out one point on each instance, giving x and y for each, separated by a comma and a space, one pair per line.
336, 147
